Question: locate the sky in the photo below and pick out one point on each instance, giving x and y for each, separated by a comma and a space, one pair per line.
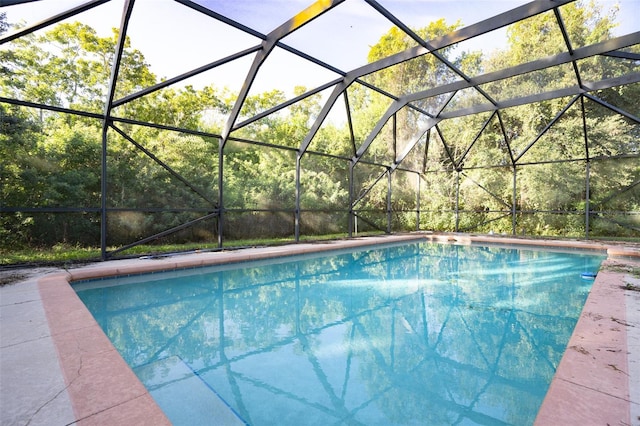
176, 39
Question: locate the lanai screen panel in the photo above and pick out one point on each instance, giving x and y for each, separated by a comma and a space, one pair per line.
224, 113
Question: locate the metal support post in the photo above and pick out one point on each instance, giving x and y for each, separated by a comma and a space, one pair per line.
297, 211
514, 201
106, 122
388, 201
103, 197
587, 206
587, 168
351, 191
220, 192
418, 202
457, 199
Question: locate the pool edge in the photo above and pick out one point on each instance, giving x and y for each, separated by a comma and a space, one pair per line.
102, 388
591, 384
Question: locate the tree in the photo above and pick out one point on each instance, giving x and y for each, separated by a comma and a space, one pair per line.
69, 65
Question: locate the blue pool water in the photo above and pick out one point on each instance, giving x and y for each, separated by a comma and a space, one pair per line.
407, 334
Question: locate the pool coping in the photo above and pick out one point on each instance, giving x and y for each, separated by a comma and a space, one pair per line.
592, 385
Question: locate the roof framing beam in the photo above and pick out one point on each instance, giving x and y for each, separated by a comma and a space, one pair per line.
185, 76
285, 104
257, 34
466, 33
52, 20
613, 108
567, 42
164, 165
507, 18
475, 139
221, 18
14, 2
426, 45
547, 127
302, 18
506, 138
540, 64
624, 55
545, 96
432, 122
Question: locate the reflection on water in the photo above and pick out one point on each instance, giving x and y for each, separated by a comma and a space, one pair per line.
413, 334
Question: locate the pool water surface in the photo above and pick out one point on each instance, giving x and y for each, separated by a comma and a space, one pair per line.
402, 334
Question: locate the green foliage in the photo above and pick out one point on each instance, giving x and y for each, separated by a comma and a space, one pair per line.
70, 66
54, 254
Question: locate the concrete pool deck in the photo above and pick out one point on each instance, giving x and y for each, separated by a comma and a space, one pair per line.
58, 368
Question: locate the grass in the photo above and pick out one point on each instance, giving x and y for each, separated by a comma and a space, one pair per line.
69, 254
629, 286
624, 269
59, 253
64, 253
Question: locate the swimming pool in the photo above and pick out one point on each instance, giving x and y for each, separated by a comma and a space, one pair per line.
416, 333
